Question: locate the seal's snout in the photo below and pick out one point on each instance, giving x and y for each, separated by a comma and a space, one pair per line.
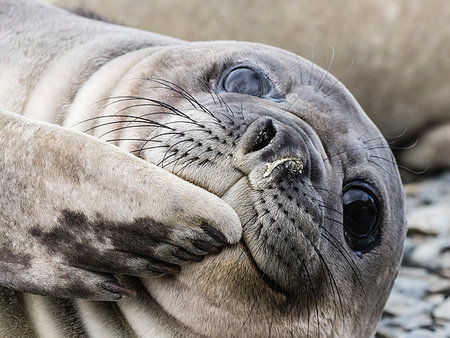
273, 148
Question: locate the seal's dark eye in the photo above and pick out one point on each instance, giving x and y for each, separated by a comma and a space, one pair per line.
244, 80
361, 214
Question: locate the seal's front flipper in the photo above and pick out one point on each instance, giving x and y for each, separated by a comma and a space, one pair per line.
61, 281
76, 211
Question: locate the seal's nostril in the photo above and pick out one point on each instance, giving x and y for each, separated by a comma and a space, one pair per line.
265, 136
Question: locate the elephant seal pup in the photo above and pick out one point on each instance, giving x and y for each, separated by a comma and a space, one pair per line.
278, 139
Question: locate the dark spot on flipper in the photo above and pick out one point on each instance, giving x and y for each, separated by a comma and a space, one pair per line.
214, 233
72, 237
163, 268
115, 287
205, 246
8, 255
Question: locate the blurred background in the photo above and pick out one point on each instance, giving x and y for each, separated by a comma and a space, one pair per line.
394, 56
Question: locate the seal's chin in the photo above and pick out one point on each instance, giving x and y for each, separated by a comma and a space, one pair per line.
281, 226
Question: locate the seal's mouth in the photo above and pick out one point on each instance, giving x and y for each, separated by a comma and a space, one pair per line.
265, 277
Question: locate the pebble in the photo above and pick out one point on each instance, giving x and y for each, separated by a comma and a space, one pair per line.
443, 310
419, 304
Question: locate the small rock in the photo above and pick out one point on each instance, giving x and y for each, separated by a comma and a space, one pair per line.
416, 288
414, 322
427, 254
423, 333
442, 311
435, 299
444, 259
447, 329
434, 190
402, 305
438, 284
387, 330
413, 272
431, 220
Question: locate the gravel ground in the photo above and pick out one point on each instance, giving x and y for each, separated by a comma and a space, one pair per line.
419, 305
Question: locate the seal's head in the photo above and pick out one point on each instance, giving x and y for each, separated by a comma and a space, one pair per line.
312, 179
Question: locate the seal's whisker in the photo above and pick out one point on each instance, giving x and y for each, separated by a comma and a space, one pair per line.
288, 109
342, 250
244, 274
236, 262
215, 95
384, 159
175, 88
329, 191
144, 125
173, 146
300, 69
112, 123
271, 321
312, 64
258, 233
127, 139
161, 163
207, 87
334, 287
324, 77
140, 105
396, 148
153, 139
225, 104
165, 156
344, 254
175, 163
313, 291
334, 155
413, 171
381, 167
185, 94
147, 148
178, 92
249, 314
141, 119
322, 204
380, 138
397, 136
127, 127
306, 289
159, 104
186, 164
329, 92
155, 103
